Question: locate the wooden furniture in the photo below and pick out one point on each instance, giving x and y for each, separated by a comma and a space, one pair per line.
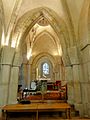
48, 95
17, 108
52, 95
54, 91
54, 107
36, 107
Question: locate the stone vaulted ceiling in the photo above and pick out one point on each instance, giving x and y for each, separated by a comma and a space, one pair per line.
25, 29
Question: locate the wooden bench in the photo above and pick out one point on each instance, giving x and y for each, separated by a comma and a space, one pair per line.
36, 107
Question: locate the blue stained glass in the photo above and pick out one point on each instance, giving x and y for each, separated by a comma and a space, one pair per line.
45, 69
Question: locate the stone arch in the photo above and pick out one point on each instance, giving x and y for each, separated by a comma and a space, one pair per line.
48, 33
83, 24
35, 61
26, 22
70, 24
84, 36
2, 22
89, 22
55, 42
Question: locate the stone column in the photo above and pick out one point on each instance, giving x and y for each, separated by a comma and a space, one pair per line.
28, 76
60, 71
74, 58
85, 82
70, 84
5, 69
25, 73
34, 73
56, 71
13, 85
77, 89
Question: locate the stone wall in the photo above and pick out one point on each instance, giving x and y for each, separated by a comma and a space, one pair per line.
9, 69
85, 81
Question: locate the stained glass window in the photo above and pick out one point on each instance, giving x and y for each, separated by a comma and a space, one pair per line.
45, 68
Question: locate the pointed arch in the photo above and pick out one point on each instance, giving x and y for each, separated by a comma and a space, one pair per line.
83, 24
89, 23
41, 58
70, 23
2, 22
48, 34
27, 21
35, 60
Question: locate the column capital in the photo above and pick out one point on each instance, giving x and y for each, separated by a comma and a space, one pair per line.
17, 61
74, 55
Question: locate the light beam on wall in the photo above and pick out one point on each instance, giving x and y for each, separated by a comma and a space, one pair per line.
18, 40
29, 53
3, 38
13, 44
7, 39
60, 51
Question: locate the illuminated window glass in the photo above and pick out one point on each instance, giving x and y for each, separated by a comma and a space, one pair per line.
45, 69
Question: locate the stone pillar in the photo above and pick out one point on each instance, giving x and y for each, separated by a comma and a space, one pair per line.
13, 85
77, 89
56, 71
25, 73
70, 84
85, 82
55, 75
5, 69
4, 83
28, 76
34, 73
21, 77
74, 58
61, 77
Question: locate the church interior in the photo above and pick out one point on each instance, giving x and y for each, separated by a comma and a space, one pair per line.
44, 59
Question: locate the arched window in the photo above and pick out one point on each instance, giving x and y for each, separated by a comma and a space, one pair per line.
45, 69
